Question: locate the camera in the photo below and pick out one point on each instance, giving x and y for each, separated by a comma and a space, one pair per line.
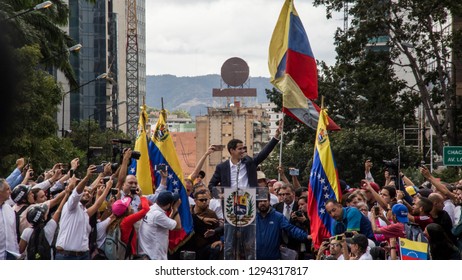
298, 213
383, 244
114, 191
339, 237
161, 167
136, 155
293, 172
348, 234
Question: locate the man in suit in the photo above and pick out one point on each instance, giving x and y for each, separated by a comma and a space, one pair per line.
241, 169
286, 207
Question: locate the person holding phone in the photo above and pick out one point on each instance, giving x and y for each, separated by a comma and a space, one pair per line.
348, 219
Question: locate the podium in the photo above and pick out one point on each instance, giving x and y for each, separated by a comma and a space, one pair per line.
240, 212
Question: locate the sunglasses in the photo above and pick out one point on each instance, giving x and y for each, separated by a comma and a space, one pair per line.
203, 199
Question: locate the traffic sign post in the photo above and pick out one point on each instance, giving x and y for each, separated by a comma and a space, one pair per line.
452, 155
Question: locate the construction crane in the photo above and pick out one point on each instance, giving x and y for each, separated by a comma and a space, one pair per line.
132, 70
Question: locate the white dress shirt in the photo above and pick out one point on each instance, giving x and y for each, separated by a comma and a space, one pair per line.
74, 227
243, 179
8, 237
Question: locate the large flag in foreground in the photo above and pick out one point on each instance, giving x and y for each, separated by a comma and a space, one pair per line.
323, 185
293, 68
162, 151
412, 250
142, 166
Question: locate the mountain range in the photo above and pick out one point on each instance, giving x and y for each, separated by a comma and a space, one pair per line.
194, 94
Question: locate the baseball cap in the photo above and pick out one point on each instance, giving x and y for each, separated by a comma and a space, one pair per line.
411, 190
373, 185
359, 239
120, 206
400, 211
261, 175
166, 197
424, 192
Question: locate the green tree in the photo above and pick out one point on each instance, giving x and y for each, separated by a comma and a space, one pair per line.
351, 146
30, 128
41, 27
416, 38
88, 134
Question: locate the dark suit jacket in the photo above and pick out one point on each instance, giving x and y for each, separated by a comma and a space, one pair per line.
293, 244
222, 174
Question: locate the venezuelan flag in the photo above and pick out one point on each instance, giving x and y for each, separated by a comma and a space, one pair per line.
293, 68
323, 185
162, 151
142, 166
413, 250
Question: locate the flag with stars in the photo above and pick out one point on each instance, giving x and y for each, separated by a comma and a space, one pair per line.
323, 185
142, 167
162, 151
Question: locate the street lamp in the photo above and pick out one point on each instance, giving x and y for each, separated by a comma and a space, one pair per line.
40, 6
74, 48
88, 128
102, 76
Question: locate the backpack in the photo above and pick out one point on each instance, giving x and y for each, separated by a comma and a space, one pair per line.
38, 247
114, 247
18, 220
414, 232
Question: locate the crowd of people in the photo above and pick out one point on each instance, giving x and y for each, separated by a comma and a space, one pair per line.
105, 215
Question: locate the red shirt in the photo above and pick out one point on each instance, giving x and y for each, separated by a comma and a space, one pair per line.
126, 226
393, 230
423, 221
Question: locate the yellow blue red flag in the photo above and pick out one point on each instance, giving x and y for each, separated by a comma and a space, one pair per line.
142, 167
162, 151
413, 250
293, 68
323, 185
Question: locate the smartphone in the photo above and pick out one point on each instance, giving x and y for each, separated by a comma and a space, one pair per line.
293, 172
339, 237
161, 167
376, 210
99, 168
219, 147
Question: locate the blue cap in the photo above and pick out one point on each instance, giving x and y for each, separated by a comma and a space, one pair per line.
166, 197
400, 212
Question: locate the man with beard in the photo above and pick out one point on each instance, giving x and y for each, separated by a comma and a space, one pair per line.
270, 225
74, 228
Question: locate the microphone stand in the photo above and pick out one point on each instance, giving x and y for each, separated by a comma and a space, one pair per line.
236, 241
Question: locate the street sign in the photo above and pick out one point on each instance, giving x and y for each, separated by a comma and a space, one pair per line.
452, 155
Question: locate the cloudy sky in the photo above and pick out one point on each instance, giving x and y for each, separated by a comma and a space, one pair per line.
195, 37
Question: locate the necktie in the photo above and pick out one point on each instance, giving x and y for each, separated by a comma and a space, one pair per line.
285, 238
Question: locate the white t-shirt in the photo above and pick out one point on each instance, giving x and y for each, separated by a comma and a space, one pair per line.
101, 232
153, 233
49, 229
215, 205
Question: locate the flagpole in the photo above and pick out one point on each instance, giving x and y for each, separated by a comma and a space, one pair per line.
162, 103
280, 146
322, 102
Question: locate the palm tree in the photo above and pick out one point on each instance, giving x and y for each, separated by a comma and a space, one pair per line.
41, 27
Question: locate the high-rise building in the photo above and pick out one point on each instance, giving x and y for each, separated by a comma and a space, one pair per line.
101, 28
